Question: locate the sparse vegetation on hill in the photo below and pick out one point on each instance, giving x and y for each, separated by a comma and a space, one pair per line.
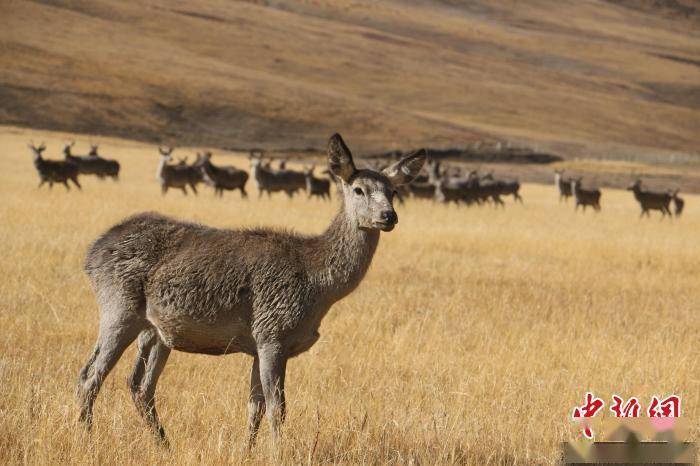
594, 79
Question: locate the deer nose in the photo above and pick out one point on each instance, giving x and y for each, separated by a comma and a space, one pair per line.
389, 216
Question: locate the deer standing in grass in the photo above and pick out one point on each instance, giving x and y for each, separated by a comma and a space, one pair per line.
678, 203
563, 185
184, 286
222, 178
104, 167
651, 200
320, 187
270, 180
176, 176
585, 197
54, 171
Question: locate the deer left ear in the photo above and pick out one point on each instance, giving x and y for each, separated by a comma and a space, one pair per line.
407, 169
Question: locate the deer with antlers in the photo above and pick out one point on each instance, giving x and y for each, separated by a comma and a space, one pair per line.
54, 171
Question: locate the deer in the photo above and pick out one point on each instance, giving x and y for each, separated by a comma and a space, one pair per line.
92, 164
424, 186
54, 171
504, 188
176, 176
106, 167
320, 187
678, 203
176, 285
485, 188
563, 185
222, 178
269, 180
651, 200
585, 197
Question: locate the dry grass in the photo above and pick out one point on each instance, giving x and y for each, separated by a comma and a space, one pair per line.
472, 337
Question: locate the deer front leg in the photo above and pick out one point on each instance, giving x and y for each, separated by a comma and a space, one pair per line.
273, 364
256, 403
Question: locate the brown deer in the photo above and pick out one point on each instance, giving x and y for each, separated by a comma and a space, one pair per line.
54, 171
87, 164
262, 292
104, 167
563, 185
678, 203
651, 200
270, 181
585, 197
176, 176
320, 187
222, 178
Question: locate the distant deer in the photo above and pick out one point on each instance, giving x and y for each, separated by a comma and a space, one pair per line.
505, 187
106, 167
585, 197
320, 187
92, 164
563, 185
262, 292
651, 200
678, 203
54, 171
271, 181
176, 176
222, 178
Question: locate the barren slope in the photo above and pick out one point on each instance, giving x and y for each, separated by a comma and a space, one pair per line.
611, 79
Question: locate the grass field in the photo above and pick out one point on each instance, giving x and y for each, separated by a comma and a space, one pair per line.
471, 339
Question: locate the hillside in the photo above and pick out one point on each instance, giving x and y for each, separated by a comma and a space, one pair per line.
594, 79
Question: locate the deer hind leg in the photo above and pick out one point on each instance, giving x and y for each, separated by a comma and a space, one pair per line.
273, 364
243, 193
116, 334
65, 183
256, 403
184, 190
193, 186
74, 179
41, 182
150, 362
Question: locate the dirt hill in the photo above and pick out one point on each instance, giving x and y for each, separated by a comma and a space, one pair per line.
603, 79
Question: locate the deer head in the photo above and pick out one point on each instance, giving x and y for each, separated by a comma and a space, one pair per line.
37, 150
67, 149
368, 194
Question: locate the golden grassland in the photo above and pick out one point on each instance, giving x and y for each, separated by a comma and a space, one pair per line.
473, 336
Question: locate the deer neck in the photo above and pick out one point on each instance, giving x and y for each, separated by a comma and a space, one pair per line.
161, 167
340, 257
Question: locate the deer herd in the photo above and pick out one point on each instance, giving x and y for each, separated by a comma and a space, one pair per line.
445, 184
648, 200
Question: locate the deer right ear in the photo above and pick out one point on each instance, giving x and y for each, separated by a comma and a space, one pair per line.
340, 159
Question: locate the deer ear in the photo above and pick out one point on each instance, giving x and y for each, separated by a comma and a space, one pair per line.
405, 170
340, 159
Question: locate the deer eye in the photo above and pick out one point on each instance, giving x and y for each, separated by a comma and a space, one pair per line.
359, 191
